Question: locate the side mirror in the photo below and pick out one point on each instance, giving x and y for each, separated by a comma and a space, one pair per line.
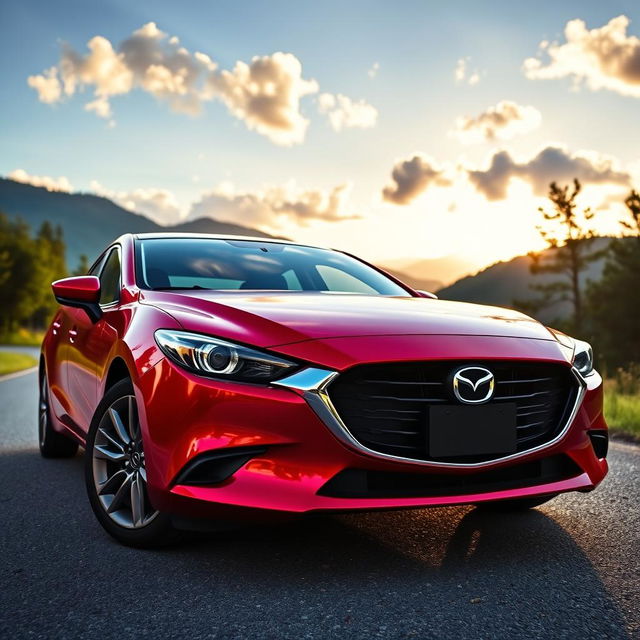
427, 294
82, 292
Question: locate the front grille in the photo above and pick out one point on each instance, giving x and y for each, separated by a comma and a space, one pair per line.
386, 406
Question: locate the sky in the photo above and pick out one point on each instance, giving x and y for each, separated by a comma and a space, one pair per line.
394, 130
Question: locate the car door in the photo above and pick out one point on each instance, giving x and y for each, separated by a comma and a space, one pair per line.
90, 343
57, 363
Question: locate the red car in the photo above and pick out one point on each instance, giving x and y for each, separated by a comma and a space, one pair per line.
216, 379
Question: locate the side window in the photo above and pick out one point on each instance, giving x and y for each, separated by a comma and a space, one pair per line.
95, 269
110, 279
338, 280
293, 284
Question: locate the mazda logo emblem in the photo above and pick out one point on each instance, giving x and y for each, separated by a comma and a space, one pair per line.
473, 385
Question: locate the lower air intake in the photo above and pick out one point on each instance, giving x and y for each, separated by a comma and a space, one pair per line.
361, 483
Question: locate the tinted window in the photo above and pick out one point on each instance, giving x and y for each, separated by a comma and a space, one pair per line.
165, 263
337, 279
95, 269
110, 279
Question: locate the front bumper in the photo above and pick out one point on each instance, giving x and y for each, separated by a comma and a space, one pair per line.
184, 415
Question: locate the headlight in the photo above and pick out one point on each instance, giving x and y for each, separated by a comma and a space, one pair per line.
217, 358
583, 357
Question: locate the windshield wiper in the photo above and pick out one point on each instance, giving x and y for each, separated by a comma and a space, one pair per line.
195, 286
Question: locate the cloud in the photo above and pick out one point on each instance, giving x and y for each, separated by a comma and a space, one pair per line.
147, 60
274, 205
158, 204
603, 58
410, 178
344, 113
47, 85
265, 94
462, 74
550, 164
100, 106
49, 183
504, 120
373, 70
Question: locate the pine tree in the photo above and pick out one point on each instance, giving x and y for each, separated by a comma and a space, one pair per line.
83, 266
21, 280
614, 301
51, 266
569, 253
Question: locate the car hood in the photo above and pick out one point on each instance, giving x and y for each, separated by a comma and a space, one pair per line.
272, 319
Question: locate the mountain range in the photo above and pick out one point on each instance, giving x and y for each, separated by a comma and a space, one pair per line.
502, 283
440, 271
90, 222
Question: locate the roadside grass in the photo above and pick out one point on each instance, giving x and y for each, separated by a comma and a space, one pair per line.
11, 362
22, 337
622, 407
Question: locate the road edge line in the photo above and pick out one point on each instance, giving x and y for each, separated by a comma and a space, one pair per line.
18, 374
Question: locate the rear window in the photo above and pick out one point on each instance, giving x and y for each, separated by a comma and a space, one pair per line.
206, 263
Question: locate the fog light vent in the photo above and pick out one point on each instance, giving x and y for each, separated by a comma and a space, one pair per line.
214, 467
600, 442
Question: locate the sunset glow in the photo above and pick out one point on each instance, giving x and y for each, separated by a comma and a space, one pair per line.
421, 137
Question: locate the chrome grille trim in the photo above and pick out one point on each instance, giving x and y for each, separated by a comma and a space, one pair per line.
312, 383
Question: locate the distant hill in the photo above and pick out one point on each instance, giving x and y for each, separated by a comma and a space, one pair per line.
446, 270
416, 283
442, 271
503, 282
90, 222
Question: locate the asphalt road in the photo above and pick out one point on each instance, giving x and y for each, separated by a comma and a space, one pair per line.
567, 570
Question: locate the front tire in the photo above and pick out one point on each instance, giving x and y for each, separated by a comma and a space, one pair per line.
52, 444
115, 473
515, 504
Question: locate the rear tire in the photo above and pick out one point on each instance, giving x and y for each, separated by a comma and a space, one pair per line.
52, 444
115, 474
515, 504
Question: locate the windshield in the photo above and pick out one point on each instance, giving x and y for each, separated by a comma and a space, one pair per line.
205, 263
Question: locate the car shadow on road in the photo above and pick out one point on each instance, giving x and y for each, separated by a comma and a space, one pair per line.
392, 574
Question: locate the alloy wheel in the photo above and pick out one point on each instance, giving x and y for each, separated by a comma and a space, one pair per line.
119, 472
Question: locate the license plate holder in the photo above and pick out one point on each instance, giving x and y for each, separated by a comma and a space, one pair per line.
464, 430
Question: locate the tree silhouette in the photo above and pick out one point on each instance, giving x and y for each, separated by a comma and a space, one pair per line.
83, 266
633, 204
28, 265
614, 301
570, 251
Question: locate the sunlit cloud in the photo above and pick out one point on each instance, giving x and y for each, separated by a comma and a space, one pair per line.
274, 206
49, 183
373, 70
345, 113
47, 85
264, 93
410, 178
601, 58
552, 163
462, 73
503, 121
158, 204
148, 59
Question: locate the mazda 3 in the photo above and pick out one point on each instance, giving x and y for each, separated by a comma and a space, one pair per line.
225, 379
